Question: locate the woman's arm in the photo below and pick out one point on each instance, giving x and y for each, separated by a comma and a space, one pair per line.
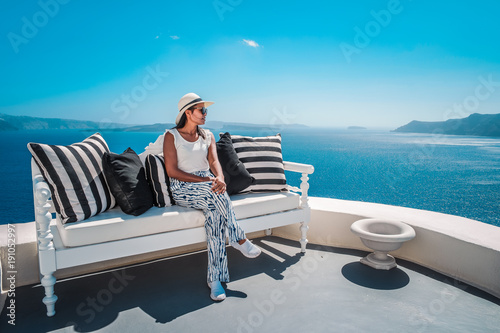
170, 156
218, 184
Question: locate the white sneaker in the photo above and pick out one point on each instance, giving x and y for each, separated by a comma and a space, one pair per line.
248, 249
217, 292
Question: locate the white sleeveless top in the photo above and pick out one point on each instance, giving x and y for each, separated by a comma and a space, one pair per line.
192, 156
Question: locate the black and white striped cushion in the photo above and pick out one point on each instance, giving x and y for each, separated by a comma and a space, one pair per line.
75, 177
262, 158
159, 183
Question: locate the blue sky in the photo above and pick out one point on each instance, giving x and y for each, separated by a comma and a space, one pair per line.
319, 63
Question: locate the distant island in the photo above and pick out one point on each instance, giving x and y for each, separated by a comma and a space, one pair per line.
13, 123
476, 124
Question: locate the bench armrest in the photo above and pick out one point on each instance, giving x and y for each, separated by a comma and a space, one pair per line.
298, 167
305, 170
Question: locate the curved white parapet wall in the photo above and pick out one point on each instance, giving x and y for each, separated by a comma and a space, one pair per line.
461, 248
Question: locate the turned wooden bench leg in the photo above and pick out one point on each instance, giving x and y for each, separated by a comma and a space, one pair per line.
46, 250
303, 241
48, 281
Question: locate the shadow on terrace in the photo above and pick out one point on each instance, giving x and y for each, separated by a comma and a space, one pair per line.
164, 289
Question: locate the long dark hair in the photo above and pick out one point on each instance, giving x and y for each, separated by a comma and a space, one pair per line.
182, 123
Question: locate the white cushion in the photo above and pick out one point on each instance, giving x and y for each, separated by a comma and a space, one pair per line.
114, 224
255, 204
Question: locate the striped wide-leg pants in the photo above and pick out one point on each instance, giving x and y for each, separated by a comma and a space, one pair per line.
219, 218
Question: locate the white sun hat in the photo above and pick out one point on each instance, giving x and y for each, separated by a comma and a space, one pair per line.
186, 102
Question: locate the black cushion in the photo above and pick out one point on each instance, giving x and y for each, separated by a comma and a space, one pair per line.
236, 175
127, 181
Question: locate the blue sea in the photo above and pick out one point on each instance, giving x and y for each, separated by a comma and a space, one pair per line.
457, 175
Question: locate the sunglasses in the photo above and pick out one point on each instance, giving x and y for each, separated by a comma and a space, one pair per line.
203, 110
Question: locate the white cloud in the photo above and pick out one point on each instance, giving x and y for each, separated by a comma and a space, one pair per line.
251, 43
174, 37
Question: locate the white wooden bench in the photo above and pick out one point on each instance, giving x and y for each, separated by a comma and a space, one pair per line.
114, 234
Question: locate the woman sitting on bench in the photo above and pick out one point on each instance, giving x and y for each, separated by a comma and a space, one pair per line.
190, 158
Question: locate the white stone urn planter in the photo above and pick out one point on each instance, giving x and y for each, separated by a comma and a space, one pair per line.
382, 236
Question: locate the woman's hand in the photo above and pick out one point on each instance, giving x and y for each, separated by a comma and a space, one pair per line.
218, 185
